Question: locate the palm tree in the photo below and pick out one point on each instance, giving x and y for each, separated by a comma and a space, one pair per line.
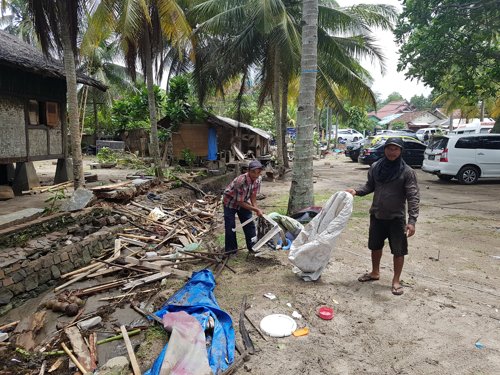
144, 28
301, 189
98, 63
266, 36
56, 25
16, 21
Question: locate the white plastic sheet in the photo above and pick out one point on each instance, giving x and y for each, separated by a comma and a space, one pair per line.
312, 249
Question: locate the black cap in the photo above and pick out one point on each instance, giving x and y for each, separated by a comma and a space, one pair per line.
394, 141
255, 164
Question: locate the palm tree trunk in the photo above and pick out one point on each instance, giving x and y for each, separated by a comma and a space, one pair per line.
72, 99
328, 128
301, 190
96, 119
284, 117
155, 146
277, 114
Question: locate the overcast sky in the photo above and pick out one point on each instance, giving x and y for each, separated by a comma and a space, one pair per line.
392, 80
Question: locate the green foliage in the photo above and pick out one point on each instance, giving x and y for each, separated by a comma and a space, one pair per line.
398, 125
106, 155
132, 111
181, 105
55, 197
250, 113
357, 119
188, 156
452, 46
421, 102
393, 97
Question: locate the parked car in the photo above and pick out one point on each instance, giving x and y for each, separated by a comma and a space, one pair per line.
413, 152
466, 157
395, 133
348, 135
426, 133
353, 149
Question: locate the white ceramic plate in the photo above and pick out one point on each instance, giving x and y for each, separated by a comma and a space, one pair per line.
278, 325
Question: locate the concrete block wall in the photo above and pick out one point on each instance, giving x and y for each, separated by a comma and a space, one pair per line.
22, 278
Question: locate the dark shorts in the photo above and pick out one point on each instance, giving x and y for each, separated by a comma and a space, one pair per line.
394, 230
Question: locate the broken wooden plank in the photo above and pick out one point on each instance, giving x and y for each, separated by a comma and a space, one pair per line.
73, 358
158, 266
197, 211
79, 277
126, 295
100, 288
137, 237
130, 351
9, 325
110, 186
146, 280
247, 341
191, 186
80, 349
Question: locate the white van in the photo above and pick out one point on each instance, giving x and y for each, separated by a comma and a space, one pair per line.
475, 127
466, 157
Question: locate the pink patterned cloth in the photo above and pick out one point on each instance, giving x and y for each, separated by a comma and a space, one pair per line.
186, 352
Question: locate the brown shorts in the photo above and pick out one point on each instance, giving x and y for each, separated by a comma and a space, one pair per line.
393, 229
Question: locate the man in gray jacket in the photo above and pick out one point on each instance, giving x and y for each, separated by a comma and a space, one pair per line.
393, 183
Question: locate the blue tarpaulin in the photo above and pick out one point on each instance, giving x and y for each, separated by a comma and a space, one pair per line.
197, 299
212, 144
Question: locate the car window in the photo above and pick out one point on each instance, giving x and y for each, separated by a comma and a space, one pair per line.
414, 146
467, 142
439, 143
490, 143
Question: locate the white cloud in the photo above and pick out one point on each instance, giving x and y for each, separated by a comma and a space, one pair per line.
392, 80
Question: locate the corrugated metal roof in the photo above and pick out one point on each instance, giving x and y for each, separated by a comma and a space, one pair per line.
236, 124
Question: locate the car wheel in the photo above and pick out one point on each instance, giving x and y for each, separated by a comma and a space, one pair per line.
468, 175
340, 139
445, 177
355, 139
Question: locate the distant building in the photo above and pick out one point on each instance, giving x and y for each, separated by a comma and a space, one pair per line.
418, 119
392, 108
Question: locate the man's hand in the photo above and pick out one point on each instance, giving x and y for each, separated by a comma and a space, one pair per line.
351, 191
410, 230
259, 212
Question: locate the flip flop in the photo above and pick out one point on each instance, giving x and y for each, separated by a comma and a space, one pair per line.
397, 291
367, 277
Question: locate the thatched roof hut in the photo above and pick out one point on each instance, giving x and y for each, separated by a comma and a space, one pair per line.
15, 53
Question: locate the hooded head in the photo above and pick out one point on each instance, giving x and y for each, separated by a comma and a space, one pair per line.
393, 148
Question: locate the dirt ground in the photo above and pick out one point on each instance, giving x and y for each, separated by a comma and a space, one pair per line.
447, 321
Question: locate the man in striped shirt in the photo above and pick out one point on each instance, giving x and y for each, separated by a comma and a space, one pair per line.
240, 198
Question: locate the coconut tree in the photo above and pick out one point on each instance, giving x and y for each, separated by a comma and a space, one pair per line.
247, 35
15, 20
301, 190
143, 28
98, 62
56, 25
265, 35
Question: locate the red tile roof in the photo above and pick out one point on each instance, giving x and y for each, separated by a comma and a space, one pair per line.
392, 108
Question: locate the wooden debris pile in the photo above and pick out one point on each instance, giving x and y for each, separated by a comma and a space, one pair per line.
163, 239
